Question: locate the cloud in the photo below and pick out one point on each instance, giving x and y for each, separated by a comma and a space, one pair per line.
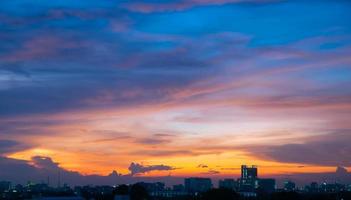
341, 170
179, 5
10, 146
45, 163
20, 171
87, 60
136, 168
36, 49
40, 169
202, 166
163, 153
340, 176
326, 150
211, 172
155, 77
152, 141
165, 135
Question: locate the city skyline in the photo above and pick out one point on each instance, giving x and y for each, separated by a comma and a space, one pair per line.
174, 88
248, 185
45, 171
249, 180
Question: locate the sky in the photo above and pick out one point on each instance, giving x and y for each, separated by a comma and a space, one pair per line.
175, 88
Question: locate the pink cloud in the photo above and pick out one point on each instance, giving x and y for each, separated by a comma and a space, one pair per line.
182, 5
41, 47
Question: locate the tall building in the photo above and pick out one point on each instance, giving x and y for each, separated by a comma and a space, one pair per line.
248, 172
248, 180
197, 184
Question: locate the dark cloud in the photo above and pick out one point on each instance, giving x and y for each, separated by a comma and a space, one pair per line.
117, 70
101, 79
202, 166
10, 146
45, 163
341, 170
39, 169
20, 171
340, 176
327, 150
136, 168
212, 172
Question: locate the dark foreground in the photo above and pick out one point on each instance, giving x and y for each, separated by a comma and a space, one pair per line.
137, 192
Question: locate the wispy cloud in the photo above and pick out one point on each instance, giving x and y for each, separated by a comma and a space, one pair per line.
179, 5
328, 150
10, 146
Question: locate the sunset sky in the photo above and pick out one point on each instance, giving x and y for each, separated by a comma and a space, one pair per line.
180, 88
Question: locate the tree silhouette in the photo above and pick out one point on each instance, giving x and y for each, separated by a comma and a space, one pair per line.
286, 196
138, 192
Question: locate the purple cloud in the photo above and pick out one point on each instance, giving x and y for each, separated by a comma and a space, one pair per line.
136, 168
326, 150
152, 141
179, 5
163, 152
58, 58
341, 175
45, 163
11, 146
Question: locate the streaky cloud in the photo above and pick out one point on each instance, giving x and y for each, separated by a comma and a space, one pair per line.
326, 150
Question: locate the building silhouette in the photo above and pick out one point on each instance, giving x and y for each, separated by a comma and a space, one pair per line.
228, 184
289, 186
195, 184
248, 181
248, 172
266, 185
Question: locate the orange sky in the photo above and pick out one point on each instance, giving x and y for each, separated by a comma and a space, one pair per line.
181, 136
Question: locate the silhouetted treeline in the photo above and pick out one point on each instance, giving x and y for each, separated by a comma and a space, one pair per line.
139, 192
225, 194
